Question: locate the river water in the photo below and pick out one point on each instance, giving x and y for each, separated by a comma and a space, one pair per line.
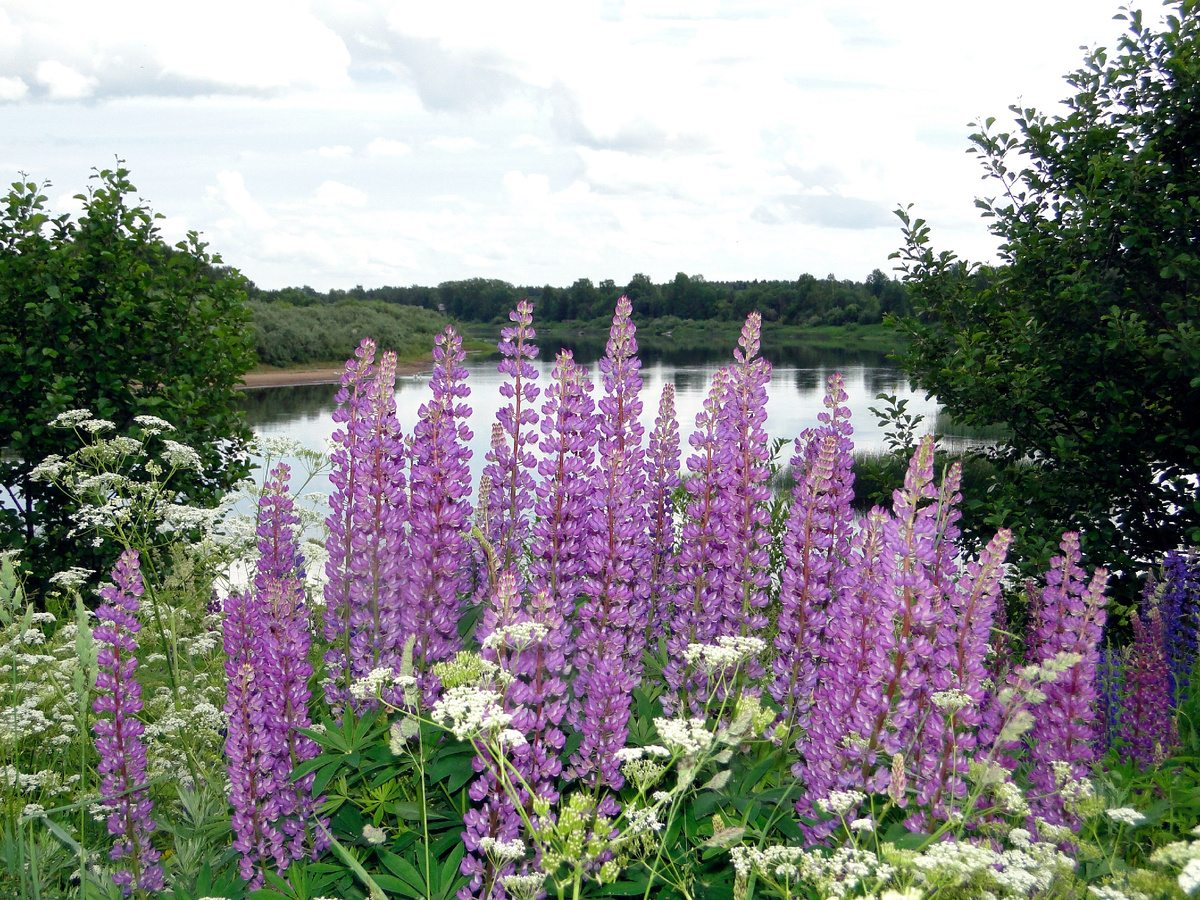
795, 394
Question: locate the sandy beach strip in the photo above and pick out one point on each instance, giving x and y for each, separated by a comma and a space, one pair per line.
317, 375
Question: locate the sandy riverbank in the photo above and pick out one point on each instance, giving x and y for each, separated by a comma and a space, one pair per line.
317, 375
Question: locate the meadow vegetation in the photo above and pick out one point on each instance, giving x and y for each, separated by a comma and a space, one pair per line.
626, 669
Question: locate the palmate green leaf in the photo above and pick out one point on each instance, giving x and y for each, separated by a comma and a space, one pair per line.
454, 767
411, 811
404, 871
451, 879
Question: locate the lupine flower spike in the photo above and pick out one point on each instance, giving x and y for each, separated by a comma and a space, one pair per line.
122, 763
440, 508
1070, 620
608, 648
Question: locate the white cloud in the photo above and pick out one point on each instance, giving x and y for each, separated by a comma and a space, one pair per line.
527, 140
232, 191
264, 45
334, 193
63, 82
12, 88
454, 145
387, 147
341, 151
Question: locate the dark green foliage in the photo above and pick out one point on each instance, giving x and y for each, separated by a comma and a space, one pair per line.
806, 301
287, 335
101, 313
1084, 340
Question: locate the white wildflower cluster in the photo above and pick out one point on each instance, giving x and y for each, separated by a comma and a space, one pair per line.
688, 737
1126, 816
835, 875
727, 652
1010, 798
863, 826
373, 834
471, 712
1189, 878
45, 781
518, 636
952, 701
1184, 855
181, 456
1108, 892
49, 469
629, 754
841, 803
153, 424
371, 684
641, 820
501, 852
72, 577
523, 887
96, 426
1029, 866
71, 418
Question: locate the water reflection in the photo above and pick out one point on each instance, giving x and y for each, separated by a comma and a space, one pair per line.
795, 397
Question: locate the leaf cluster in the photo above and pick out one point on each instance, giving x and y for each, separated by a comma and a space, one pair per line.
1084, 340
100, 312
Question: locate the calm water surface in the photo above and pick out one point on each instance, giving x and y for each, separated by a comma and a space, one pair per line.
795, 393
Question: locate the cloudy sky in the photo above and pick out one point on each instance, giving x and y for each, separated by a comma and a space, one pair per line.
342, 142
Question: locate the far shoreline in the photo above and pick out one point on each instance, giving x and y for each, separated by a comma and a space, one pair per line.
331, 374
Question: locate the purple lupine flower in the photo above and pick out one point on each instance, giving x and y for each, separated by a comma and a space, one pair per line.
495, 814
909, 556
611, 621
440, 510
378, 559
282, 677
563, 505
510, 461
974, 600
278, 547
1109, 676
815, 552
942, 663
1180, 606
119, 740
1147, 724
267, 641
746, 490
703, 541
662, 478
1070, 620
253, 791
848, 695
353, 412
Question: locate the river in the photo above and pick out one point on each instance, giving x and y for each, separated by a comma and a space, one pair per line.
795, 394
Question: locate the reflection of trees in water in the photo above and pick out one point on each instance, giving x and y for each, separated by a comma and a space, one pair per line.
701, 348
691, 380
884, 381
277, 404
808, 380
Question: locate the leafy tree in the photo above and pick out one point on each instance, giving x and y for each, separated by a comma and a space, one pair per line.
1084, 338
101, 313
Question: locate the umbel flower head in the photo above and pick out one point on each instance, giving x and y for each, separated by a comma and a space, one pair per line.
122, 764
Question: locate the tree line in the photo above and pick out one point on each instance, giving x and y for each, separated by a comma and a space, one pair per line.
807, 301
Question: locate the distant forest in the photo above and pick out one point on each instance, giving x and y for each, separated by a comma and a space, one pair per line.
807, 301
